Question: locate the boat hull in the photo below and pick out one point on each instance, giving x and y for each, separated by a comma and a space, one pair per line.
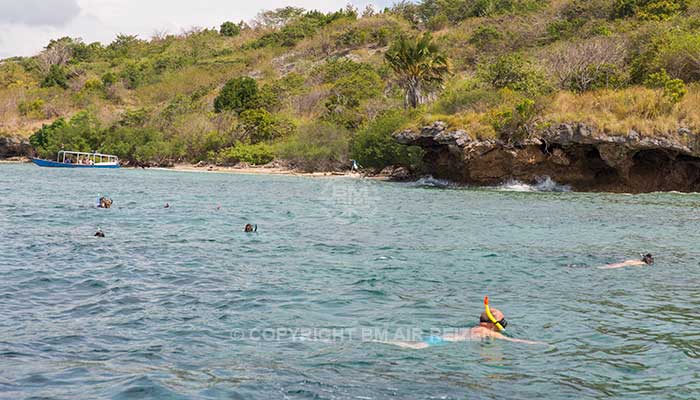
54, 164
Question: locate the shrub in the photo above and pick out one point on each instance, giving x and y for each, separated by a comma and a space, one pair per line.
660, 9
381, 36
93, 84
459, 10
374, 146
587, 9
347, 93
513, 124
319, 145
624, 8
438, 22
157, 151
86, 52
136, 74
230, 29
352, 37
513, 72
564, 29
55, 77
588, 65
597, 76
486, 37
179, 105
109, 79
31, 108
255, 154
43, 140
258, 125
165, 62
675, 51
134, 118
81, 133
680, 56
238, 94
297, 27
466, 96
654, 10
335, 68
673, 89
124, 46
144, 145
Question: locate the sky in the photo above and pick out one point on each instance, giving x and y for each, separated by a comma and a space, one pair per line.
26, 26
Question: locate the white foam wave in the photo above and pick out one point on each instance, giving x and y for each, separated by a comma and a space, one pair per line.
429, 181
542, 184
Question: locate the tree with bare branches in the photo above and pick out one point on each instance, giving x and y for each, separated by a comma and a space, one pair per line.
587, 65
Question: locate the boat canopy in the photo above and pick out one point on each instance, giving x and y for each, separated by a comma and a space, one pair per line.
97, 158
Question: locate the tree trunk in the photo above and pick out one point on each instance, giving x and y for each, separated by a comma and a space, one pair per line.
413, 94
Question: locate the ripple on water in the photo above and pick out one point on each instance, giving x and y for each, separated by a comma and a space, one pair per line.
154, 309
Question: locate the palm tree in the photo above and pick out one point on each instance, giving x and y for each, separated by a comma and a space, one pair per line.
419, 66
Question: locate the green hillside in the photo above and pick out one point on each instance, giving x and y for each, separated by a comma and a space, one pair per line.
317, 89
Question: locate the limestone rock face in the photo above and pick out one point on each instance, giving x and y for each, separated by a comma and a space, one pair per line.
14, 146
572, 154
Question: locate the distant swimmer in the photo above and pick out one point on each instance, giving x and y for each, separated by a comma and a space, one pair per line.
99, 233
250, 228
167, 205
647, 259
104, 202
491, 323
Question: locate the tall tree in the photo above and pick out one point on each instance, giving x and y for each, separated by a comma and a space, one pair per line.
419, 66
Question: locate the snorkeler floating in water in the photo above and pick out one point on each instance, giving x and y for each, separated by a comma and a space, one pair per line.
647, 259
249, 228
104, 202
491, 323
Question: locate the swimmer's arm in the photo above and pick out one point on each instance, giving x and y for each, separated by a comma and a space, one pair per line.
497, 335
628, 263
407, 345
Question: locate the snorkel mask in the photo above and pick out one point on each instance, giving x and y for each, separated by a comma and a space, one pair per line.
500, 325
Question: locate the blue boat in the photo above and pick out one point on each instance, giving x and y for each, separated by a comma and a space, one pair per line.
77, 159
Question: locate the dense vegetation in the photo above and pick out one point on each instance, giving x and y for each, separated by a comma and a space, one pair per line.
317, 89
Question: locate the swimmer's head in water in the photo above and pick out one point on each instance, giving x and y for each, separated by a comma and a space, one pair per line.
648, 259
496, 321
497, 315
250, 228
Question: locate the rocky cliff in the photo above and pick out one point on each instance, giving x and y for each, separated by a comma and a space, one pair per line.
572, 154
14, 146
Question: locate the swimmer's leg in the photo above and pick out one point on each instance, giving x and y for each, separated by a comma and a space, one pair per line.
406, 345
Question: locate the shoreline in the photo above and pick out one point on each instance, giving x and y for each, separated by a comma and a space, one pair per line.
15, 160
261, 170
264, 171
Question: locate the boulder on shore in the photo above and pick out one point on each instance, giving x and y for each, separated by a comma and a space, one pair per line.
14, 146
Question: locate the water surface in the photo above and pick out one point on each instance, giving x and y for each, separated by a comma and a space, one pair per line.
171, 302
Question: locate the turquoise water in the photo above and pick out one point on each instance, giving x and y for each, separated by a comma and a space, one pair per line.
180, 303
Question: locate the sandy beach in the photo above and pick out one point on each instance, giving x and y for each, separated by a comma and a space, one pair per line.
15, 160
264, 171
261, 170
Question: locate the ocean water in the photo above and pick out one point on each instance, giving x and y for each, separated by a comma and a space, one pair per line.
180, 303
